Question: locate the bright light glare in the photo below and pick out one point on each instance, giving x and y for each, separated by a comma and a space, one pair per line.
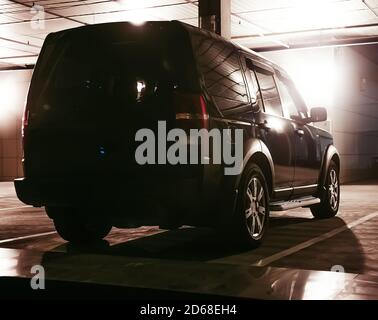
317, 81
314, 73
138, 18
9, 262
276, 124
324, 285
316, 14
140, 86
137, 14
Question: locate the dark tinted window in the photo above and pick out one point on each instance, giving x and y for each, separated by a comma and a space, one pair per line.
114, 65
122, 68
253, 84
269, 92
219, 64
114, 77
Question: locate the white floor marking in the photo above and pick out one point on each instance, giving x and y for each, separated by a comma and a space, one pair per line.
28, 237
21, 207
268, 260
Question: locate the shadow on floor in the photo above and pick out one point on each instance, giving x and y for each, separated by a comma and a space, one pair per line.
293, 280
202, 244
275, 221
199, 244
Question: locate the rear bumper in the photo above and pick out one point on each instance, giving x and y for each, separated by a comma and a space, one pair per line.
106, 193
40, 193
26, 192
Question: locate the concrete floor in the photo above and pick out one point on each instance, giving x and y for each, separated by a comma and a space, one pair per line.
297, 260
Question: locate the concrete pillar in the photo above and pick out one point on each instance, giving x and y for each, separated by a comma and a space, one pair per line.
215, 16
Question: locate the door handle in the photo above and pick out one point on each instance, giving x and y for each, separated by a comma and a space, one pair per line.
299, 132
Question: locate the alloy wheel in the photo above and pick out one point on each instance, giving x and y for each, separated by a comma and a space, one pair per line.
333, 189
255, 208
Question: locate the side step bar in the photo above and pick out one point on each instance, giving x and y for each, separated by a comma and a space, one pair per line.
292, 204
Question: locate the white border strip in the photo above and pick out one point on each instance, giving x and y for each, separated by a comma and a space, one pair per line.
21, 207
268, 260
28, 237
24, 237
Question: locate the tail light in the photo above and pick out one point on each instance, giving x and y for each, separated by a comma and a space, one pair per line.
24, 124
191, 111
25, 121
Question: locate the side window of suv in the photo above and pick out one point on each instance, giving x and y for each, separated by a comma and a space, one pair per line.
220, 66
288, 104
252, 83
292, 102
269, 92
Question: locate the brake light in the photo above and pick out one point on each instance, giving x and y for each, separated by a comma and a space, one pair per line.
25, 121
191, 111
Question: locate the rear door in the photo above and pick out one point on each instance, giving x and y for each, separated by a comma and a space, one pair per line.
87, 113
273, 128
93, 88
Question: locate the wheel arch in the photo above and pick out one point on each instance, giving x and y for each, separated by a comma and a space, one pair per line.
330, 155
259, 154
255, 151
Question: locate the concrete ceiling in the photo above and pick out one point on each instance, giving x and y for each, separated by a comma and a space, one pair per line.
258, 24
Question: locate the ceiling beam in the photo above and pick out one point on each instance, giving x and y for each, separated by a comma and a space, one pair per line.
261, 34
16, 67
70, 17
49, 12
369, 7
17, 57
369, 25
316, 44
20, 42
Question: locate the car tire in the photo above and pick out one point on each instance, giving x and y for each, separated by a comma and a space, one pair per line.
77, 227
330, 196
251, 218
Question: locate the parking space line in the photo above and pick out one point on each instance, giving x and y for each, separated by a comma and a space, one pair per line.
20, 207
268, 260
28, 237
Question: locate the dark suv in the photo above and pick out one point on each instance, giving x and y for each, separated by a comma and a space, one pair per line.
94, 87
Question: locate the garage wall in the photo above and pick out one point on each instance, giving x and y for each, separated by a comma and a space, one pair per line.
356, 114
346, 83
13, 90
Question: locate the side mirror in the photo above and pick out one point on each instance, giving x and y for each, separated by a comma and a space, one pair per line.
318, 114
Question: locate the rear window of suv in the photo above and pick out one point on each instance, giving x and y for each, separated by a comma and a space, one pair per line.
121, 67
115, 70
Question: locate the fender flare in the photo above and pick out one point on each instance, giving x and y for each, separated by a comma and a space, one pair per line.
256, 148
253, 149
329, 154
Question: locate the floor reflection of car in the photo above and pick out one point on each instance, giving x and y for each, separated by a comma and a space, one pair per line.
92, 89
